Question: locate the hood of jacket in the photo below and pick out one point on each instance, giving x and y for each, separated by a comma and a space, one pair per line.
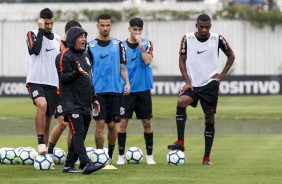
72, 35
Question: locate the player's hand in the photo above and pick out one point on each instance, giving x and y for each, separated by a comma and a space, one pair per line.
41, 23
138, 39
96, 107
81, 71
185, 87
126, 89
218, 77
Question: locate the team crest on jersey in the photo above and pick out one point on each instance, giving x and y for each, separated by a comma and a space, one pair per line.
122, 110
58, 40
59, 109
75, 116
35, 93
87, 61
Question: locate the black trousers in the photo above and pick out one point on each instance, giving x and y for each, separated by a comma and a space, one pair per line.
79, 125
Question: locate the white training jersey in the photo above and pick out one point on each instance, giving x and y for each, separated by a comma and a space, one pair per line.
202, 59
41, 68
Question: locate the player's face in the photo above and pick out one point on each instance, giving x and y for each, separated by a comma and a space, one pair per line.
104, 27
135, 31
203, 28
48, 25
80, 42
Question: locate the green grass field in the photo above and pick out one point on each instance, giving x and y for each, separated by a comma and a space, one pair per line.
247, 146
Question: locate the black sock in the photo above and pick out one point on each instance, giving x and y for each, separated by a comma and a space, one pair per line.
51, 147
149, 142
209, 135
121, 143
111, 150
40, 139
181, 117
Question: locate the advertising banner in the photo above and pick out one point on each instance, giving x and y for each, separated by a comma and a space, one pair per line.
171, 85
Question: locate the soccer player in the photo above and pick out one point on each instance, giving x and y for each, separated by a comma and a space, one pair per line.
108, 56
139, 53
42, 78
198, 63
78, 97
61, 125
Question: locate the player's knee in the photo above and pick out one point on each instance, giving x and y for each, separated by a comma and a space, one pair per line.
183, 101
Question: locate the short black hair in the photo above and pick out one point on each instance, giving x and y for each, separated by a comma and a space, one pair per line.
203, 17
46, 13
104, 16
136, 22
70, 24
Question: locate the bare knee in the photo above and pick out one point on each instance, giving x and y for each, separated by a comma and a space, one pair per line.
184, 101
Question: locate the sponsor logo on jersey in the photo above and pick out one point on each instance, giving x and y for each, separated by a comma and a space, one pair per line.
47, 50
103, 56
200, 52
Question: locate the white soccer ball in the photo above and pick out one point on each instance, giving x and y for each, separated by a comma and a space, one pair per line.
90, 151
59, 156
175, 157
18, 150
100, 156
134, 155
43, 162
8, 156
27, 156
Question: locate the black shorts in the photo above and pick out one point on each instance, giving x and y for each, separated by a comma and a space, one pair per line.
109, 107
46, 91
59, 109
208, 96
140, 103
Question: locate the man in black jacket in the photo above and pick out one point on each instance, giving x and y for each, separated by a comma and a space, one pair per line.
74, 69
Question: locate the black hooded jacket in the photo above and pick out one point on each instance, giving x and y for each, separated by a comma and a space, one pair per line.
77, 90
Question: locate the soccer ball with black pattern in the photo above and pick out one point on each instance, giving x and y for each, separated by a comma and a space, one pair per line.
27, 156
134, 155
59, 156
8, 156
43, 162
175, 157
100, 156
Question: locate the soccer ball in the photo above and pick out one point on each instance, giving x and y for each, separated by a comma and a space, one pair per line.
43, 162
134, 155
27, 156
99, 156
59, 156
90, 151
18, 150
175, 157
8, 156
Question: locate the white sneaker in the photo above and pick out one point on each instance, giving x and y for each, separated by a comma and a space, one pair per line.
150, 159
42, 150
121, 160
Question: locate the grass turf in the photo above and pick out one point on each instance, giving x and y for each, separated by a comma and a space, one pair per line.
246, 150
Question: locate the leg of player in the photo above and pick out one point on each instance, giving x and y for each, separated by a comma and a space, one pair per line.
112, 137
99, 133
181, 116
122, 140
209, 136
40, 120
56, 134
69, 136
148, 136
